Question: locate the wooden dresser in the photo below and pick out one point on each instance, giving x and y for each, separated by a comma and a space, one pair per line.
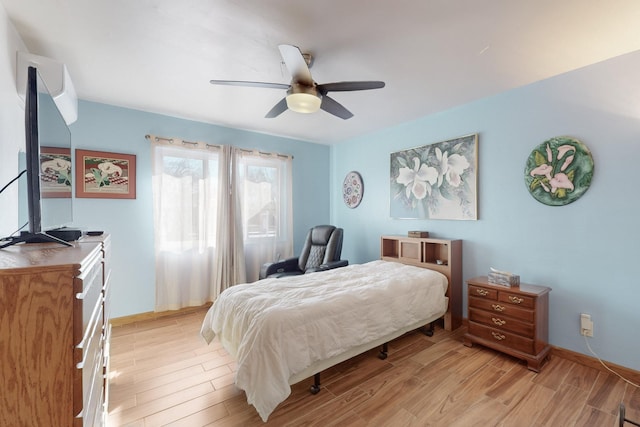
513, 320
54, 334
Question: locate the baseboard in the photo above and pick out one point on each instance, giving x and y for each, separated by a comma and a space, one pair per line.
151, 315
583, 359
592, 362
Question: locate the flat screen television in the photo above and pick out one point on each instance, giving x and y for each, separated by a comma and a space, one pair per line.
47, 159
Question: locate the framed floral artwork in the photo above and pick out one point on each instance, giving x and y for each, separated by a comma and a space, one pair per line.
55, 172
559, 171
101, 174
436, 181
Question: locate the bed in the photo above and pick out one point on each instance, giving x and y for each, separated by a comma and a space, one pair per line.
281, 331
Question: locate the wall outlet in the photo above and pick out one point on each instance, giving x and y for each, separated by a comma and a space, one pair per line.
586, 325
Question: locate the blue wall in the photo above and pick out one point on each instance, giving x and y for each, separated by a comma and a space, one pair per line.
130, 222
585, 251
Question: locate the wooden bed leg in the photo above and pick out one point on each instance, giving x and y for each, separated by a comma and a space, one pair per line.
383, 353
315, 388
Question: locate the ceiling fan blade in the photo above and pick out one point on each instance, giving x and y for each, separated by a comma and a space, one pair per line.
332, 106
296, 64
277, 109
349, 86
249, 84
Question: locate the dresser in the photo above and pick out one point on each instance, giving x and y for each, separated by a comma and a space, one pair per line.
513, 320
54, 334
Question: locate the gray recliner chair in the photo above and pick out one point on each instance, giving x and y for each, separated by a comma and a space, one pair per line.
321, 252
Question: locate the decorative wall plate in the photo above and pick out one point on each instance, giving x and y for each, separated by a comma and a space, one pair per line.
352, 189
559, 171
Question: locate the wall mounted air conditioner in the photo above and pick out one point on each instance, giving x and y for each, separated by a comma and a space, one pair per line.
56, 78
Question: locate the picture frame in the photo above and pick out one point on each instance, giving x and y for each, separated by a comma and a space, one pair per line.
436, 181
105, 175
55, 172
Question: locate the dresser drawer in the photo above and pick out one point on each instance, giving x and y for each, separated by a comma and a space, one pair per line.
501, 322
90, 272
481, 292
517, 299
502, 308
89, 367
107, 367
106, 294
502, 337
107, 255
89, 283
91, 412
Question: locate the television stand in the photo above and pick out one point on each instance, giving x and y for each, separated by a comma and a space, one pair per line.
40, 237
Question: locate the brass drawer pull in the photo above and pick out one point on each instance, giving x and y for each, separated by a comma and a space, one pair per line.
498, 322
498, 336
497, 307
482, 292
515, 300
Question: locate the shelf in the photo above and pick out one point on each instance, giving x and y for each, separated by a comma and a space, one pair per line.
389, 248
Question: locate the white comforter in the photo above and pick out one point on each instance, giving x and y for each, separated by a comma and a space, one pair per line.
275, 328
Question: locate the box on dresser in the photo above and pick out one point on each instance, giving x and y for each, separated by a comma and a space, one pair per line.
503, 279
54, 333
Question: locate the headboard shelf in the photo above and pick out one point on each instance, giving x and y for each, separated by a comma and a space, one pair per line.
442, 255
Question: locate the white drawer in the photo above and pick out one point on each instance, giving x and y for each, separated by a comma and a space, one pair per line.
90, 282
92, 402
106, 292
91, 368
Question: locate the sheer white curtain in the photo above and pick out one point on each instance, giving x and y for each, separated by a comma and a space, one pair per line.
190, 201
264, 186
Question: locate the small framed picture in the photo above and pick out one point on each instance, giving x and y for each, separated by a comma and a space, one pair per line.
105, 175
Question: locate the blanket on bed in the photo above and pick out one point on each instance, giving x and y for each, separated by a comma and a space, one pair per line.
275, 328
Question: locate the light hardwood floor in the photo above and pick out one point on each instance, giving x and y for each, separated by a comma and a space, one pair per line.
163, 373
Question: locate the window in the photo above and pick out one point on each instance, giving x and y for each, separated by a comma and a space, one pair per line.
208, 238
264, 183
186, 198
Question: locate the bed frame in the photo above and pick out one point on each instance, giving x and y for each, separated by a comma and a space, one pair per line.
315, 369
622, 418
320, 366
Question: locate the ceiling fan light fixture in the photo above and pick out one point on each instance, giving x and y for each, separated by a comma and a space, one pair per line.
303, 100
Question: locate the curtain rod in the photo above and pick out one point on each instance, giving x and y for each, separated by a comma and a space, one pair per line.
246, 150
182, 141
265, 153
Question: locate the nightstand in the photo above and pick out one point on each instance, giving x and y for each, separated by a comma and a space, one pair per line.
513, 320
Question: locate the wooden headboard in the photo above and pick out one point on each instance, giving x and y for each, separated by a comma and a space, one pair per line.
441, 255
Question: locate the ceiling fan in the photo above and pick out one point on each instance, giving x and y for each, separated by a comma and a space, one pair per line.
303, 94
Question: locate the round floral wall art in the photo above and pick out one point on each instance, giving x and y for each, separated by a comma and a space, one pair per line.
352, 189
559, 171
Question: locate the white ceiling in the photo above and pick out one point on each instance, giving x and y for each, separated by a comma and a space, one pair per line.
159, 55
